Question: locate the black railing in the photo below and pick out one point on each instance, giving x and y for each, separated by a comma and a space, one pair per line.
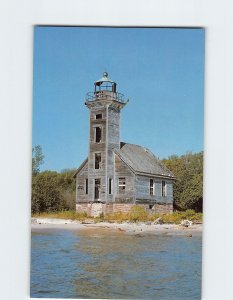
106, 95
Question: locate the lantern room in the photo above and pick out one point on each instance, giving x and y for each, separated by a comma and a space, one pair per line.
105, 84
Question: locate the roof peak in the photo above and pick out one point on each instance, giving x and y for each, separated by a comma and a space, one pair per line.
130, 144
142, 160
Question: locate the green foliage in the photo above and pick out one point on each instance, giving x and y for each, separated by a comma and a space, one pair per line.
46, 193
67, 186
188, 187
51, 191
37, 159
179, 216
66, 180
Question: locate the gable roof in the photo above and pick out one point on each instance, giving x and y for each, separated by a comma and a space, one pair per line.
80, 167
142, 161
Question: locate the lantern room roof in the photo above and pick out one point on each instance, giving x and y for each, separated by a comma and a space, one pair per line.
103, 79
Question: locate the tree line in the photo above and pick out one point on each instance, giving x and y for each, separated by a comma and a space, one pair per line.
51, 191
55, 191
188, 187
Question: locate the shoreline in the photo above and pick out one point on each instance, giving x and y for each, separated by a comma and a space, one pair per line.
138, 229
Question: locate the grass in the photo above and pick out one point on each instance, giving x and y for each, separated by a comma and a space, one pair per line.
137, 214
69, 214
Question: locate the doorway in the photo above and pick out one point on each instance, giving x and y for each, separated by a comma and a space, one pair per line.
97, 189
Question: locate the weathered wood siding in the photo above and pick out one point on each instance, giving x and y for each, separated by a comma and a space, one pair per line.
81, 184
142, 189
122, 171
113, 137
98, 108
110, 139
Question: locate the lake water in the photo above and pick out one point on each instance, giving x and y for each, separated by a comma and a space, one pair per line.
108, 264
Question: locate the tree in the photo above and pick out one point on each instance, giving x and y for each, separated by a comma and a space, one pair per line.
46, 193
51, 191
188, 187
37, 159
67, 183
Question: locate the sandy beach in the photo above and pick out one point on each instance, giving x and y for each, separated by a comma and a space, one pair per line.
139, 229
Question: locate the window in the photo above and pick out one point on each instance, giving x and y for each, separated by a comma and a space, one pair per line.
97, 160
98, 134
121, 185
110, 186
86, 186
152, 187
163, 188
98, 116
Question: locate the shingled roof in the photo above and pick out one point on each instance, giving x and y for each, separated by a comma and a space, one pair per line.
142, 161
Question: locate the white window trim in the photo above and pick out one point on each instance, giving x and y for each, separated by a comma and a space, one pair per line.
153, 187
165, 188
121, 185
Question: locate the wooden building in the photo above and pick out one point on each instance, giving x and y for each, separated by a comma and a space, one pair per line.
117, 175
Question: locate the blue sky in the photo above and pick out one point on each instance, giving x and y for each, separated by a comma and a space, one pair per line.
160, 70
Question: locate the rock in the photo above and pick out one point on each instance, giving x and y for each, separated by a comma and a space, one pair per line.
139, 235
120, 229
33, 220
189, 235
158, 221
148, 223
197, 222
186, 223
140, 224
88, 222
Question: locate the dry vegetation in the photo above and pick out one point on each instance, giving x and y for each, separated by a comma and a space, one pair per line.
137, 214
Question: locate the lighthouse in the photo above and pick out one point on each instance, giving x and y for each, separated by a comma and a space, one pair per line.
118, 175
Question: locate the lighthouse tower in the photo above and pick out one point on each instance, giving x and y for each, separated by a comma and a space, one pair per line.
105, 105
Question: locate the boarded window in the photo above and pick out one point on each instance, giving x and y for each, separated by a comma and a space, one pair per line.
164, 189
98, 134
110, 186
97, 160
86, 186
152, 187
121, 185
98, 116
